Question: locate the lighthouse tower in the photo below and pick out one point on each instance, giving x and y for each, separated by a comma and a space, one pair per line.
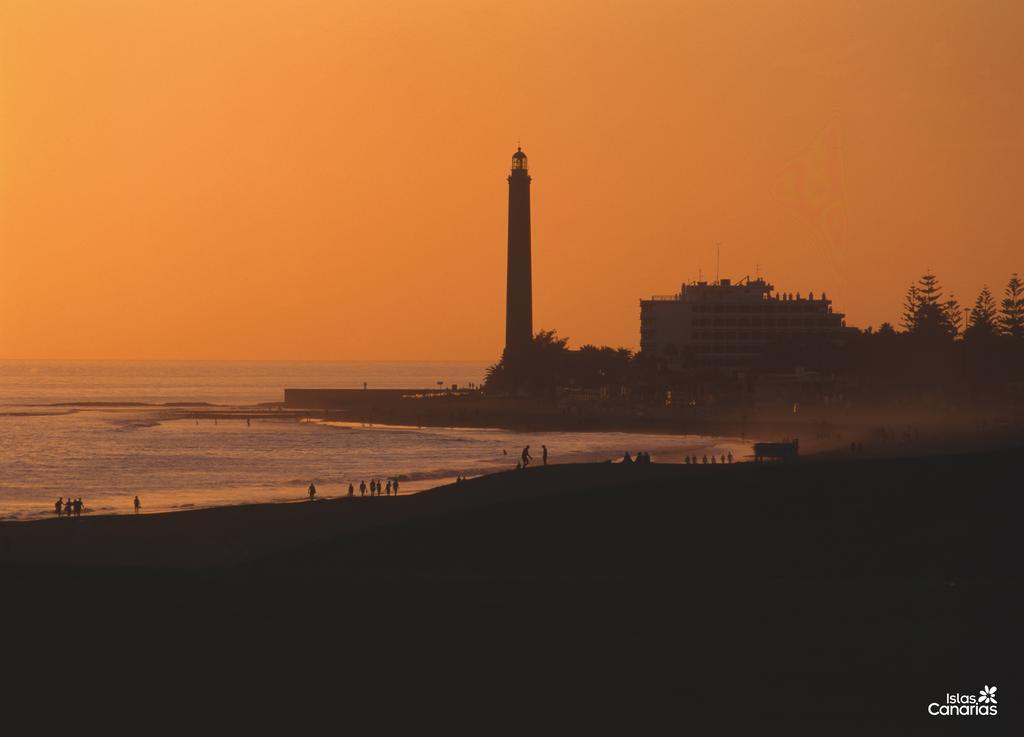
519, 288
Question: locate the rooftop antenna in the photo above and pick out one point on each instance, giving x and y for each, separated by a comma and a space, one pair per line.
718, 261
757, 268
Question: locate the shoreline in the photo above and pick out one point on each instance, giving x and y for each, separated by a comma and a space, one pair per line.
833, 446
822, 426
412, 482
285, 483
921, 450
815, 576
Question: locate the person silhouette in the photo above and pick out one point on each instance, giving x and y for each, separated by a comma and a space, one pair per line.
526, 457
730, 456
396, 487
78, 507
137, 504
59, 505
713, 461
627, 458
388, 491
312, 491
544, 448
351, 489
705, 459
362, 488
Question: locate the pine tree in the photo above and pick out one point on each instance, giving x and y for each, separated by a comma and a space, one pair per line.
926, 313
1012, 308
910, 307
929, 291
953, 315
984, 319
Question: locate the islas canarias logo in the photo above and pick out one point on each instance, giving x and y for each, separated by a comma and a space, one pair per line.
967, 705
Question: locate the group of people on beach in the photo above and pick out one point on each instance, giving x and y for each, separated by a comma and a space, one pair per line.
692, 460
525, 457
69, 507
377, 487
643, 457
75, 506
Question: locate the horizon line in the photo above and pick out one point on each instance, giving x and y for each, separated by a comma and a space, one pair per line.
256, 360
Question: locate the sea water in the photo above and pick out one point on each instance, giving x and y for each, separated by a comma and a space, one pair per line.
107, 431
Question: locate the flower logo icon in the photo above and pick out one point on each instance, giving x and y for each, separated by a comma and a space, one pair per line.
988, 695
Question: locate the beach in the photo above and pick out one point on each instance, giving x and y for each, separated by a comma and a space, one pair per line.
851, 587
817, 576
189, 435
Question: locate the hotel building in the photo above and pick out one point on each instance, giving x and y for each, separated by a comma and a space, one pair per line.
728, 326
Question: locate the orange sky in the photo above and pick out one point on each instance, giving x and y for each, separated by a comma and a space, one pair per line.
326, 180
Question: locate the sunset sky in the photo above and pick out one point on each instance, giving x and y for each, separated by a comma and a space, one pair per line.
326, 180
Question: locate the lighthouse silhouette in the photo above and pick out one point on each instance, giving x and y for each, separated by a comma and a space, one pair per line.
519, 288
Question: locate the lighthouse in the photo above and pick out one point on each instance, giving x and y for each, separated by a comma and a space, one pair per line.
519, 287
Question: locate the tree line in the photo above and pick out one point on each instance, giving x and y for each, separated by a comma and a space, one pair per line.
926, 312
939, 348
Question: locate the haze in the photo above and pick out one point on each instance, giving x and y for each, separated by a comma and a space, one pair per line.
326, 180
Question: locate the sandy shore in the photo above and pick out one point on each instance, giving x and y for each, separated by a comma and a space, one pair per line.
231, 535
813, 578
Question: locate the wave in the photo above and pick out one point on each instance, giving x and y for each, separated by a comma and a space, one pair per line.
38, 414
102, 404
125, 425
433, 474
437, 474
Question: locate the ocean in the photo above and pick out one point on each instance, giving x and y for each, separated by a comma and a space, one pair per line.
108, 430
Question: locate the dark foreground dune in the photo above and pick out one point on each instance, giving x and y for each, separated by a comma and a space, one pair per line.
844, 594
